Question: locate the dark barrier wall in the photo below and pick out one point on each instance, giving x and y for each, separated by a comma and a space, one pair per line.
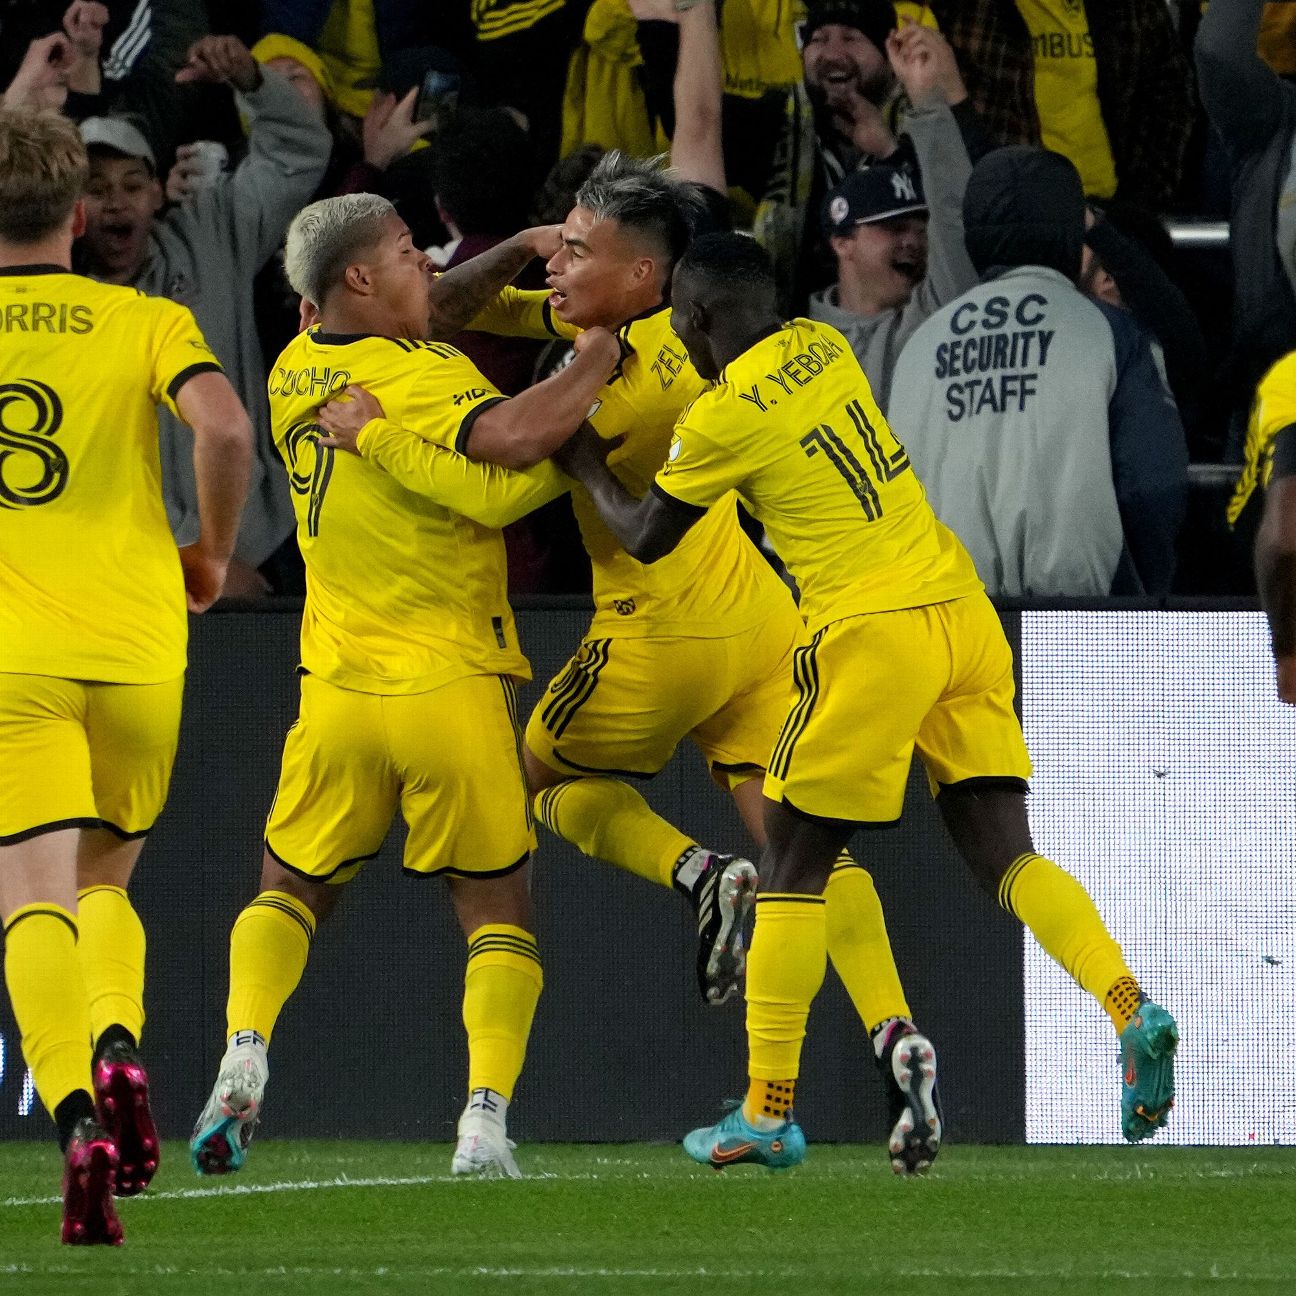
623, 1048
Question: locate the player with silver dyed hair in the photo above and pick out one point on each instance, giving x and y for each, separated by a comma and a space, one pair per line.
325, 236
409, 651
697, 644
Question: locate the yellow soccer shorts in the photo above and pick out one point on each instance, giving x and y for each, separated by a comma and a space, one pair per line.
450, 760
80, 754
622, 706
872, 688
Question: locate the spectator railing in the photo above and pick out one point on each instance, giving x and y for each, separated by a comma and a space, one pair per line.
1198, 234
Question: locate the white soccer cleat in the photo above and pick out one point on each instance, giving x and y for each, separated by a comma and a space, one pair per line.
484, 1150
224, 1130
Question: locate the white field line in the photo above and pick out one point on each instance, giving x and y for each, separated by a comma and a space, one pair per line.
578, 1271
347, 1181
295, 1185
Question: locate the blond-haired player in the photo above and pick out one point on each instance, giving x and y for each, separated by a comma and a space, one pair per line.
92, 647
699, 646
409, 656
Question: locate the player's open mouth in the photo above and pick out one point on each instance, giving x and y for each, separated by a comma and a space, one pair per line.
912, 270
556, 298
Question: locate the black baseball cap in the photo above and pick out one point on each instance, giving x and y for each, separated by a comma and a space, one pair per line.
875, 18
875, 194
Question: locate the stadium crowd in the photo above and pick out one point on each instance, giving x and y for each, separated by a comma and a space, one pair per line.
961, 292
842, 133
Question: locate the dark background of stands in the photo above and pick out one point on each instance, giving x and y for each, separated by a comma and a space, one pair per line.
372, 1046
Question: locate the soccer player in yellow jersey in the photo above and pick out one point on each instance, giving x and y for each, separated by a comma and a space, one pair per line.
700, 645
92, 647
409, 657
906, 651
1271, 466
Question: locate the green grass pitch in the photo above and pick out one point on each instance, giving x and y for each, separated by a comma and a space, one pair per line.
325, 1217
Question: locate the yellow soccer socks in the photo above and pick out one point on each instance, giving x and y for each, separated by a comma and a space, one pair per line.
785, 968
608, 820
269, 947
111, 950
48, 995
502, 984
858, 945
1064, 920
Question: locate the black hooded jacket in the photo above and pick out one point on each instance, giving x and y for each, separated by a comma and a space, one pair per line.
1024, 206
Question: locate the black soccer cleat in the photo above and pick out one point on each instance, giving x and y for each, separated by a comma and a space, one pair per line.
722, 897
908, 1067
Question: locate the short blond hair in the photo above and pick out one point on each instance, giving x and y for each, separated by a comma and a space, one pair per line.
43, 171
327, 236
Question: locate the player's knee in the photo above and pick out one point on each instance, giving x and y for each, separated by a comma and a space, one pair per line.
319, 897
539, 775
498, 900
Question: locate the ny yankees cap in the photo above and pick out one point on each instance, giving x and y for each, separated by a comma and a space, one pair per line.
875, 194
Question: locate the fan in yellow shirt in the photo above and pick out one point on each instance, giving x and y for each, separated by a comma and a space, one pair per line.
906, 653
409, 657
92, 647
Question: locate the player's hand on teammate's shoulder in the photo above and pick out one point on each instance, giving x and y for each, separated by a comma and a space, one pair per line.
204, 576
221, 59
344, 416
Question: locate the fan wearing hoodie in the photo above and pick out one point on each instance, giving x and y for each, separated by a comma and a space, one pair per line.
204, 254
900, 253
1037, 416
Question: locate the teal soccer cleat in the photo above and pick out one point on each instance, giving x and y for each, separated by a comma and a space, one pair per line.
732, 1141
1148, 1047
220, 1139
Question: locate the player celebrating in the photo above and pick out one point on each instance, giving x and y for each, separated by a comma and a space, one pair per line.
92, 647
791, 424
409, 657
700, 645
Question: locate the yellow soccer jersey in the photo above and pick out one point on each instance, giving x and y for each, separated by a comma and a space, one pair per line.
716, 583
91, 580
792, 425
1273, 410
403, 593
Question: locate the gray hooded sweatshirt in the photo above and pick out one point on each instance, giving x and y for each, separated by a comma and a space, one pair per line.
1036, 417
204, 254
877, 340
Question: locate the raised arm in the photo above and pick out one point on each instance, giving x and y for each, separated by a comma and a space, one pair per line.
697, 151
462, 293
288, 149
1241, 94
222, 468
925, 65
